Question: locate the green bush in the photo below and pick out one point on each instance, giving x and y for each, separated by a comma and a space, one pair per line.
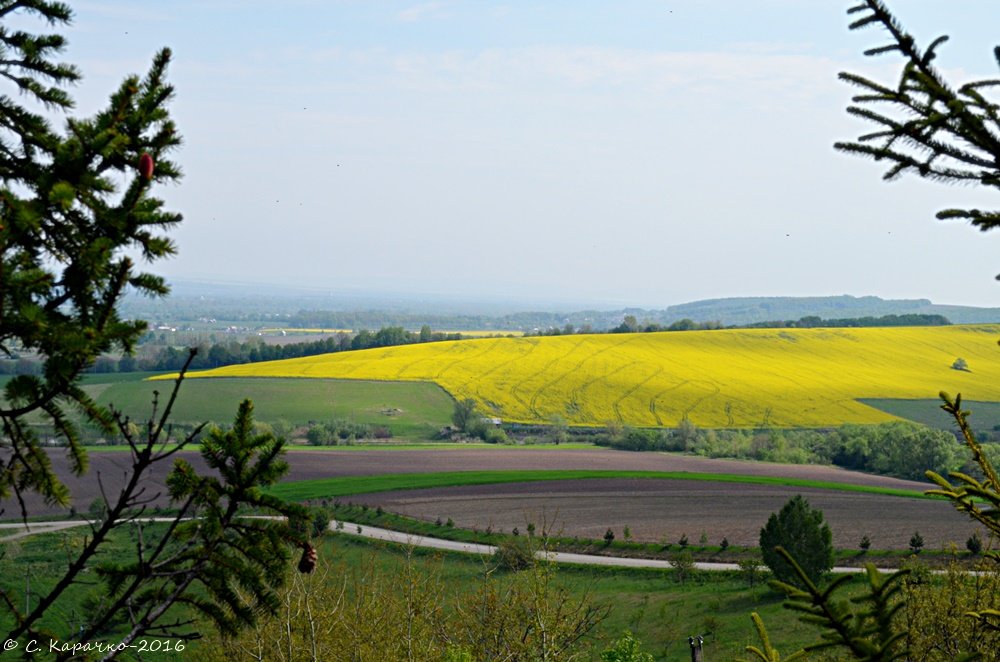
626, 649
514, 554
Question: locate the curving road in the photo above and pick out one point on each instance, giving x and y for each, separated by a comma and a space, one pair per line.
387, 535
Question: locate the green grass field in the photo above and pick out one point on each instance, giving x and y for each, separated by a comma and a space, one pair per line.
328, 488
412, 410
36, 563
660, 611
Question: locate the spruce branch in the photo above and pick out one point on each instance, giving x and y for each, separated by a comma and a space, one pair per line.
864, 625
950, 136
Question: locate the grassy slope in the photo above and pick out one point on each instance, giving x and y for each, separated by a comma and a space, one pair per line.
658, 610
425, 408
727, 378
39, 562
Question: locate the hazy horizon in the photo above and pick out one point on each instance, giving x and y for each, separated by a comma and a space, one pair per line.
642, 154
430, 302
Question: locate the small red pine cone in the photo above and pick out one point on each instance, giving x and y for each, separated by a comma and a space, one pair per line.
308, 561
146, 166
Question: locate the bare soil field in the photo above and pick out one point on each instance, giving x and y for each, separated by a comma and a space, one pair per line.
664, 510
654, 510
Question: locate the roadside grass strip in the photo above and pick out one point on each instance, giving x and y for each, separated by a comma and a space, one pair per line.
327, 488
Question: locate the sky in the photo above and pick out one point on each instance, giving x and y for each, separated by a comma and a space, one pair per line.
637, 152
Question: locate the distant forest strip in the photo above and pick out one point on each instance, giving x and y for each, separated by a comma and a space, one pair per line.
254, 351
632, 325
537, 323
233, 352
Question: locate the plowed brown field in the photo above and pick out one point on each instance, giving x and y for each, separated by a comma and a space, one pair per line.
664, 510
654, 510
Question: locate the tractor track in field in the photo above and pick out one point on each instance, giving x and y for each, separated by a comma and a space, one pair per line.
498, 366
486, 350
533, 402
694, 405
591, 382
617, 403
658, 395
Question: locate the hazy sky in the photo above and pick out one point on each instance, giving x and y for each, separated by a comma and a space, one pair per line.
630, 152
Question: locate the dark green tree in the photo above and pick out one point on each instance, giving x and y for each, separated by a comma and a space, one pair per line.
65, 224
925, 125
74, 203
801, 531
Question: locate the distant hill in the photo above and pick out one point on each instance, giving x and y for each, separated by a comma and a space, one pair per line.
742, 311
239, 304
750, 310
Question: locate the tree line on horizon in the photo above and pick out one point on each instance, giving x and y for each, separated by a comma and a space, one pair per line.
630, 324
256, 350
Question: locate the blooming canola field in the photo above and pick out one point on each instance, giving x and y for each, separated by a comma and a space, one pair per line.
721, 378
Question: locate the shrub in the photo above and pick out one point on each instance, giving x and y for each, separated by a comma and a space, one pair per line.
494, 436
513, 554
609, 537
750, 569
682, 564
320, 522
626, 649
865, 543
98, 509
916, 542
974, 544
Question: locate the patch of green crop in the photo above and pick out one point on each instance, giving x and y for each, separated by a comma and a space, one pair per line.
326, 488
411, 410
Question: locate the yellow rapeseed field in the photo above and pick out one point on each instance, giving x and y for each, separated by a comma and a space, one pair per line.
725, 378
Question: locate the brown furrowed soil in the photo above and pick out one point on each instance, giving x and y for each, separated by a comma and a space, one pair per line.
664, 510
654, 510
